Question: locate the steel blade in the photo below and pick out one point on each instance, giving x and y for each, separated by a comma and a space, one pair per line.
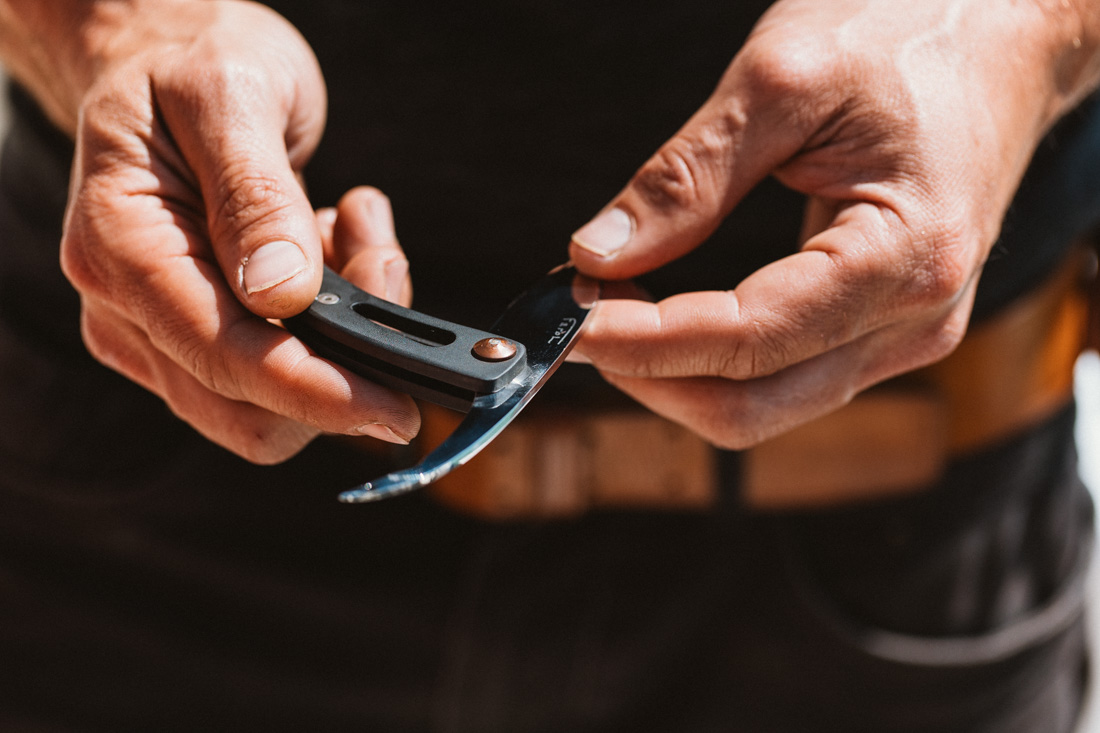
546, 319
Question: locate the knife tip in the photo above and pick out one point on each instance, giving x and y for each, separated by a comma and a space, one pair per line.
357, 496
392, 485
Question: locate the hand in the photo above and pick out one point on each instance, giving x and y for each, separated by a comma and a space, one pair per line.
909, 128
187, 226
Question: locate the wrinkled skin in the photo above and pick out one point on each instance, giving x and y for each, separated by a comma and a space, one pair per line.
196, 120
909, 127
187, 226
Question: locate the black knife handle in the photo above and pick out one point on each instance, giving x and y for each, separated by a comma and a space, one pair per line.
426, 357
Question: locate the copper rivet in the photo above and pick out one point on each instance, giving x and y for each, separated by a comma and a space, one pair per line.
494, 349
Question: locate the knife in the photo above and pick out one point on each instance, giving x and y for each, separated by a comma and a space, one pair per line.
489, 375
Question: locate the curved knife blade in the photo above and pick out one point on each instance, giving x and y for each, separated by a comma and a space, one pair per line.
546, 319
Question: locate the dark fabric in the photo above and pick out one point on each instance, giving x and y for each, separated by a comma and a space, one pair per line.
152, 581
1057, 202
498, 128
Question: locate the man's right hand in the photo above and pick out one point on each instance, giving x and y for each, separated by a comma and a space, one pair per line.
187, 225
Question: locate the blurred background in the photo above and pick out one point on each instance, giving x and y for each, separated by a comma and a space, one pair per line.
1088, 441
1088, 444
1088, 427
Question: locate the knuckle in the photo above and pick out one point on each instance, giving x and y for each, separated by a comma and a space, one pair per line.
726, 363
786, 65
944, 274
685, 170
768, 354
244, 200
644, 365
944, 279
206, 364
193, 357
84, 262
75, 265
758, 352
222, 74
666, 181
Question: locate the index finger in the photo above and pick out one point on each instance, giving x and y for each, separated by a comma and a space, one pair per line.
865, 272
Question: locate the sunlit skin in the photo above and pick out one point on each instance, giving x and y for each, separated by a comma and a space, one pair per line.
908, 124
192, 121
909, 127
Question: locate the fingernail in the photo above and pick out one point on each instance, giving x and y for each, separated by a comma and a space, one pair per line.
381, 216
271, 264
381, 432
606, 234
396, 272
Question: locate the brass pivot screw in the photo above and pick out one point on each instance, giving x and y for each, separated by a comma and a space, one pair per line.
494, 349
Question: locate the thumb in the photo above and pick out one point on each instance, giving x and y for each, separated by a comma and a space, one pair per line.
682, 193
261, 224
265, 236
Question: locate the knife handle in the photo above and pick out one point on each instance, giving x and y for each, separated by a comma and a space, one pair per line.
403, 349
